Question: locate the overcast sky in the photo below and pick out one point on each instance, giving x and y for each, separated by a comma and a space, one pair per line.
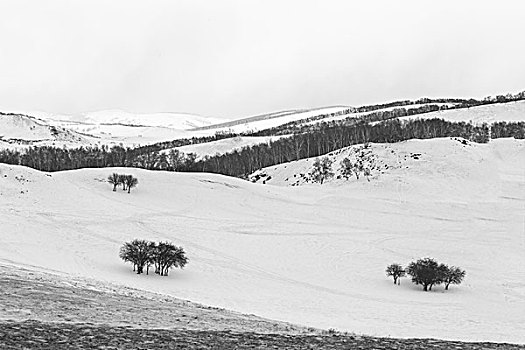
239, 58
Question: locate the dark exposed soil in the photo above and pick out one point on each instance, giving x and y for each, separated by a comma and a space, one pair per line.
43, 311
38, 335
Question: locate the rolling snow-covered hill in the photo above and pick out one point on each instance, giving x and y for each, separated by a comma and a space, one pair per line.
179, 121
115, 127
266, 121
24, 129
313, 254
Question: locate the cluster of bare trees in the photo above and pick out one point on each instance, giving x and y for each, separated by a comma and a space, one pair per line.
145, 254
127, 181
428, 273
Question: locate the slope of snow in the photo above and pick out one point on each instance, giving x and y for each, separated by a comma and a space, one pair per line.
362, 114
179, 121
504, 112
313, 254
104, 127
225, 145
19, 127
272, 120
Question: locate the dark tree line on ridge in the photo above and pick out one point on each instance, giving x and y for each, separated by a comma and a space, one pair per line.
245, 161
405, 108
330, 138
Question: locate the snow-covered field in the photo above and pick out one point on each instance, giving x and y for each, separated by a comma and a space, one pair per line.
313, 255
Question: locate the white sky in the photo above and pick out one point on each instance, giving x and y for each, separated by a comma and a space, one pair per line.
238, 58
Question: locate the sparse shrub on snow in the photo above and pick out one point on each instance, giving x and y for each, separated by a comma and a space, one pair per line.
347, 168
396, 271
322, 170
363, 164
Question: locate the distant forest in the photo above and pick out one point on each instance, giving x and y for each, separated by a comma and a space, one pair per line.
315, 142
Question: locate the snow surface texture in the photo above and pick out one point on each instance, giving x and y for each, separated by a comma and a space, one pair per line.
313, 254
50, 297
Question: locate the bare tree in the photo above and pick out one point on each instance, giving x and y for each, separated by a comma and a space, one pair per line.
114, 179
322, 169
396, 271
451, 275
425, 272
122, 179
131, 182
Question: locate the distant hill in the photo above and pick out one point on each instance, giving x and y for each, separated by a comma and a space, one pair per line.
27, 130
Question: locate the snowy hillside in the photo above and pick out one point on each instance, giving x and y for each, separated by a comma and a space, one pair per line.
381, 160
225, 145
179, 121
498, 112
23, 128
110, 127
312, 255
271, 120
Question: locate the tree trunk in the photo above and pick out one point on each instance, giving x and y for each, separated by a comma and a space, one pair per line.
425, 288
129, 188
114, 187
446, 286
395, 280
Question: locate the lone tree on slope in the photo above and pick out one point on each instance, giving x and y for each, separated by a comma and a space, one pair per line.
115, 180
131, 182
425, 272
396, 271
322, 169
451, 275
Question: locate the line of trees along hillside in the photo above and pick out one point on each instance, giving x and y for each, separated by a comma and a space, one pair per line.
404, 108
240, 163
331, 138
